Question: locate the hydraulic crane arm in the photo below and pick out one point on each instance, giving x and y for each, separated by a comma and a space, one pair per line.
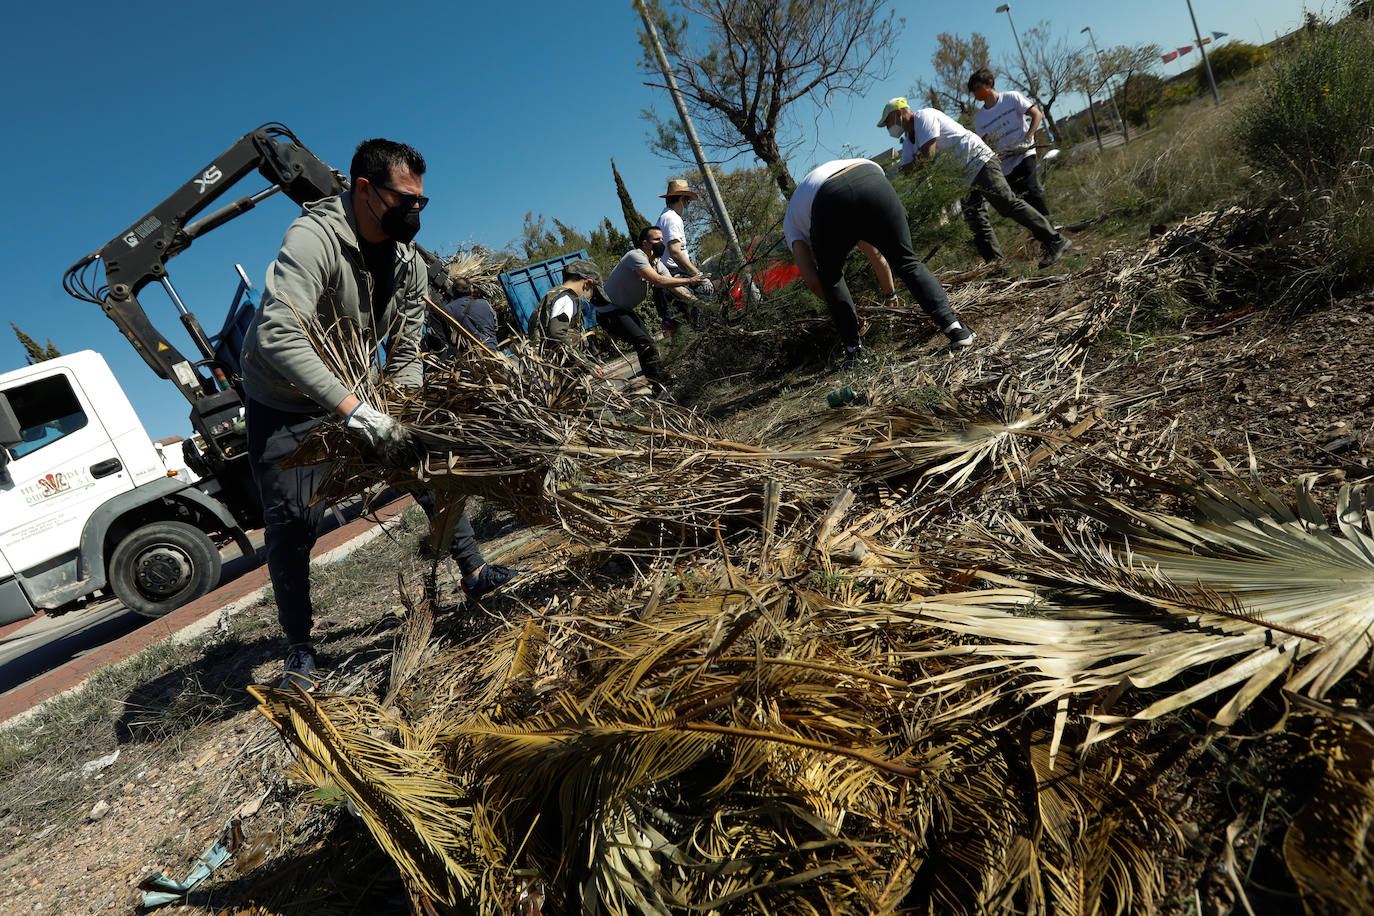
138, 255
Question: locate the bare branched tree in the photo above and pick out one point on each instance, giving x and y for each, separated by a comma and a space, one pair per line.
1056, 66
1124, 63
954, 60
743, 65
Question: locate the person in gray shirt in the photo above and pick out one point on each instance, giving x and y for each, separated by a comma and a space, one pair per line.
639, 271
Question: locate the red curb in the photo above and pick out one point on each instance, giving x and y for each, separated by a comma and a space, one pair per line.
77, 670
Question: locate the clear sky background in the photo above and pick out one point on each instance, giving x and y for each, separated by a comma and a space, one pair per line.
112, 107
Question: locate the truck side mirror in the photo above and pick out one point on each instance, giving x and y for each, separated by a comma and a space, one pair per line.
10, 431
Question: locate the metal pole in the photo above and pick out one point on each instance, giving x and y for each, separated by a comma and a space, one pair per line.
1205, 65
1106, 80
1092, 114
712, 191
1025, 68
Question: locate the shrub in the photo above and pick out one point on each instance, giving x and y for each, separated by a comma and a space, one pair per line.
1233, 59
1311, 116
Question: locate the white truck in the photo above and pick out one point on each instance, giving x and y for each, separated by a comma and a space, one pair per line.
88, 504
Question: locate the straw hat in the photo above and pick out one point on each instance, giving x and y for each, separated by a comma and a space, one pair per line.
677, 187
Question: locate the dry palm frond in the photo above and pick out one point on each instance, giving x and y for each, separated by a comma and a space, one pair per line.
1251, 592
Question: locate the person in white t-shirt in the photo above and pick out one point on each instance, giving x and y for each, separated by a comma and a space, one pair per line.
1007, 121
675, 255
850, 202
928, 132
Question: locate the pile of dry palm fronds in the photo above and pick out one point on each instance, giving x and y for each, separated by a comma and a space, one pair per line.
937, 661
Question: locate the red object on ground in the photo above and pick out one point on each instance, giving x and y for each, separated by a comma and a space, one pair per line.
777, 270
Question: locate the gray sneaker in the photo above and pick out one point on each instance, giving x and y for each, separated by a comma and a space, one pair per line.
299, 668
1056, 250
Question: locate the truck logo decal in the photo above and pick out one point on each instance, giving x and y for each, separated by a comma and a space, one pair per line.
212, 175
56, 484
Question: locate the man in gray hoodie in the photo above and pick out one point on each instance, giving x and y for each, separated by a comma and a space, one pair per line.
346, 259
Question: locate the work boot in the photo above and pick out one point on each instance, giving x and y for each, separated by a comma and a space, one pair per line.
488, 579
299, 668
1055, 250
960, 335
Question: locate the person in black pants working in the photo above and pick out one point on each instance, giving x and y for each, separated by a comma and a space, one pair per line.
638, 271
347, 260
850, 202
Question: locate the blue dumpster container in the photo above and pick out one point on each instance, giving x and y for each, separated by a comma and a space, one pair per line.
525, 286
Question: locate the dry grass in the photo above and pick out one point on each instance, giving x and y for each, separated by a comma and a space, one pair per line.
880, 660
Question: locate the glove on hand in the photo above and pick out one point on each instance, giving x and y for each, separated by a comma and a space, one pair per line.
381, 434
706, 288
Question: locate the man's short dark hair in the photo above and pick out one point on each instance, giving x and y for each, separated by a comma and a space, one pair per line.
374, 159
460, 287
982, 77
675, 198
644, 233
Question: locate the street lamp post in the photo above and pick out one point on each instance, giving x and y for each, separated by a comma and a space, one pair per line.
1111, 94
1025, 68
1212, 83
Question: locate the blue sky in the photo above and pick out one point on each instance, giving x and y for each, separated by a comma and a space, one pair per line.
111, 107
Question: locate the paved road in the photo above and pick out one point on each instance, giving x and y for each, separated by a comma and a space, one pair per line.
46, 642
32, 649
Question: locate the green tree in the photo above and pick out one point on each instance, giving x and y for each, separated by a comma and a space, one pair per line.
634, 220
745, 65
32, 351
1233, 59
954, 60
1123, 66
756, 208
1141, 96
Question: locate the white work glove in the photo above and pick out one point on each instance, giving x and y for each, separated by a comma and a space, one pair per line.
382, 434
706, 288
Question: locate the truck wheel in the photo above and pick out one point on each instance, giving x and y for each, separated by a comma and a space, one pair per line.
161, 566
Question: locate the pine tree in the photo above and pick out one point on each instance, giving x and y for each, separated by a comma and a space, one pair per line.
634, 220
32, 351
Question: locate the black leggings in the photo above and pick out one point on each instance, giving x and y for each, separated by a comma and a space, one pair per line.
861, 206
624, 325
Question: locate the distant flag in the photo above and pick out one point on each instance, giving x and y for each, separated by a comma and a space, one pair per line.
1218, 35
1206, 41
1186, 49
1171, 56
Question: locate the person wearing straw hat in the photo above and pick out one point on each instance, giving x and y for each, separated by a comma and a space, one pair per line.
675, 256
346, 262
928, 132
559, 316
847, 203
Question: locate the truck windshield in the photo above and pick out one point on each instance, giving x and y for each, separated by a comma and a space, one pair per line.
47, 409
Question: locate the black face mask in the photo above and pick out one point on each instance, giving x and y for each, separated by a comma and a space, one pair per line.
400, 224
658, 249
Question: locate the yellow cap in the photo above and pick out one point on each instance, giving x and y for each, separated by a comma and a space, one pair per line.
897, 104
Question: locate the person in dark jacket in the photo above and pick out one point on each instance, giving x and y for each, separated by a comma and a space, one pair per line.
346, 260
470, 312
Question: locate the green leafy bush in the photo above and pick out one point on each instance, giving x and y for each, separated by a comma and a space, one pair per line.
1312, 114
1233, 59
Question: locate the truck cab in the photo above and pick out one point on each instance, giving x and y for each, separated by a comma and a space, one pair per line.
87, 503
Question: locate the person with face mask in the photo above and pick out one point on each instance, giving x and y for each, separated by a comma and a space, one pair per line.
347, 261
1007, 122
675, 256
639, 271
928, 132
